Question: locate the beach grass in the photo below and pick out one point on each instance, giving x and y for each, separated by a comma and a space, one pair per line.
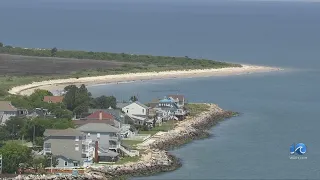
131, 143
196, 108
166, 126
127, 159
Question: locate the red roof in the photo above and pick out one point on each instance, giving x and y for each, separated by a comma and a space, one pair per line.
83, 122
100, 115
177, 96
53, 99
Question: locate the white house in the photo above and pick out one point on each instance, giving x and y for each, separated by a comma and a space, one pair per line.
136, 109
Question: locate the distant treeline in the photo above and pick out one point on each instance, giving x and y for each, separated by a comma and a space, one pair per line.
144, 60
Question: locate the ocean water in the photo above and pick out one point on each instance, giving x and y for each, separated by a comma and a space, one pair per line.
278, 108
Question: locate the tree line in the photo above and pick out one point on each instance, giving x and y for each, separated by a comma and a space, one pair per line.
145, 59
16, 156
77, 100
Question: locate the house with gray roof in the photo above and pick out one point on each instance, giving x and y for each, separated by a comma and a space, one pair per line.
108, 138
121, 105
7, 110
66, 144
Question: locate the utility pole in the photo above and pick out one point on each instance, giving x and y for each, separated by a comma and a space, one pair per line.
0, 163
51, 163
34, 135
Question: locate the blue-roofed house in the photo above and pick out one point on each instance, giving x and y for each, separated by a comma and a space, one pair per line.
169, 108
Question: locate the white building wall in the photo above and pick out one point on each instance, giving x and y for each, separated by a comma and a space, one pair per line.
4, 116
134, 109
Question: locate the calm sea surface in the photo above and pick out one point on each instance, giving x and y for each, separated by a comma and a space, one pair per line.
278, 108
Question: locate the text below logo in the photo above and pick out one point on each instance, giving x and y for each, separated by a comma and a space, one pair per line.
299, 149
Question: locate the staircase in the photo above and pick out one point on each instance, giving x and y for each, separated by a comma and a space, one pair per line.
130, 153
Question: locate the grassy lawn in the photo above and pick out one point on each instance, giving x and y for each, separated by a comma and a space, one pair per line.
196, 109
164, 127
127, 159
122, 160
131, 143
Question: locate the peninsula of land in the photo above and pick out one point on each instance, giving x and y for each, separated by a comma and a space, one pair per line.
23, 70
59, 84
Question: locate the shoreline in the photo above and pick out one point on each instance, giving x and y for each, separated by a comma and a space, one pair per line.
59, 84
157, 159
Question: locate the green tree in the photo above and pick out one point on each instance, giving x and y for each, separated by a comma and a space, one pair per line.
13, 154
104, 102
20, 101
4, 134
39, 94
69, 97
77, 99
48, 161
15, 126
133, 98
1, 44
54, 51
62, 113
38, 125
37, 163
39, 141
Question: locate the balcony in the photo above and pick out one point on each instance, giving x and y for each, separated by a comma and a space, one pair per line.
180, 112
47, 151
114, 138
113, 146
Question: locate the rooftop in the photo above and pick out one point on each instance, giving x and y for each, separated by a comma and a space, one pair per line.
62, 132
6, 106
100, 115
121, 105
97, 127
83, 122
53, 99
177, 96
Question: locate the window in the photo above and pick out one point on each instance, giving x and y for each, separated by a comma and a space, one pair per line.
47, 145
75, 164
66, 163
98, 135
77, 138
127, 111
142, 110
76, 147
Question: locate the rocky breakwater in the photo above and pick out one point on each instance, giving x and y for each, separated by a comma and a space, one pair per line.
157, 159
152, 162
192, 128
85, 176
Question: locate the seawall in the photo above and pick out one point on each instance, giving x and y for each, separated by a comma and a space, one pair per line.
157, 159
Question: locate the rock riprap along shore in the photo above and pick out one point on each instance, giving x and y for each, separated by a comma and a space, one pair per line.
157, 159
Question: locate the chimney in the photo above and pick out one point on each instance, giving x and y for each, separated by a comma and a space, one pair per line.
100, 115
96, 154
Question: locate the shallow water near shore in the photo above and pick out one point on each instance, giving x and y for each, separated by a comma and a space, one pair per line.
278, 108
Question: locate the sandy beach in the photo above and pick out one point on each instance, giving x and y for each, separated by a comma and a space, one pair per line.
59, 84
